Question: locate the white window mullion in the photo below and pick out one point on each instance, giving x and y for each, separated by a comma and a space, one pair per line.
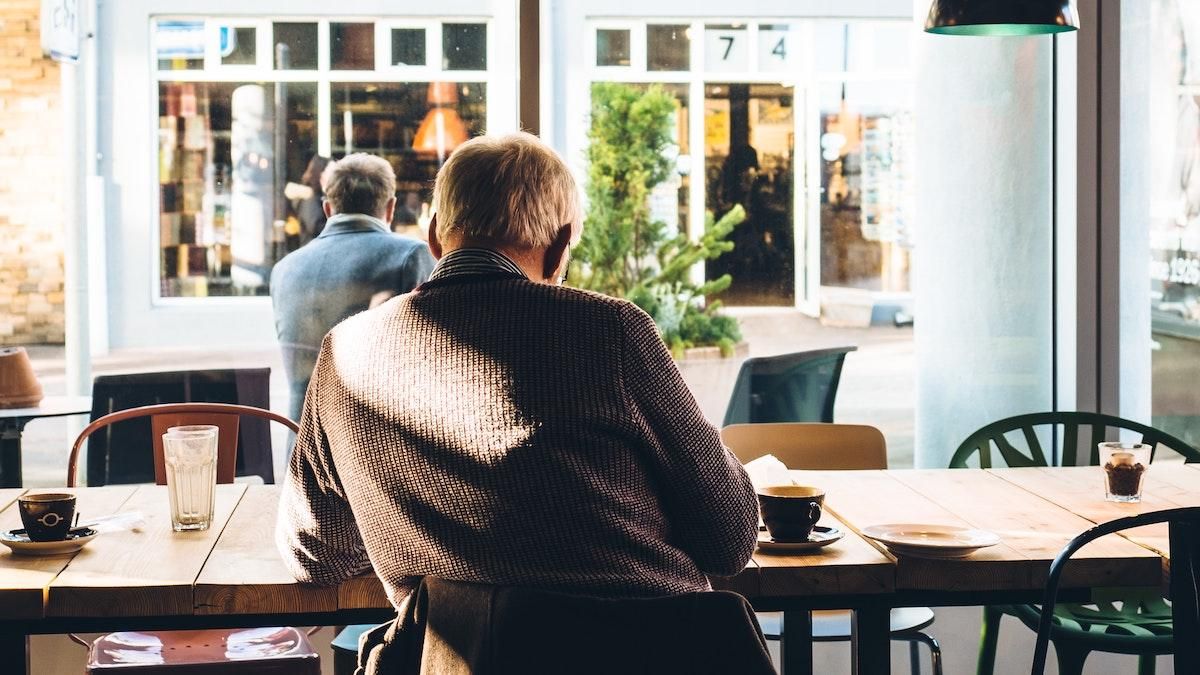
324, 111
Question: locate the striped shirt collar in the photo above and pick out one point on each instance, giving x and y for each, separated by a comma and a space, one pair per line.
464, 261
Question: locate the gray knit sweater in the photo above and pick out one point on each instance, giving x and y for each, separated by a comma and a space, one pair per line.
490, 429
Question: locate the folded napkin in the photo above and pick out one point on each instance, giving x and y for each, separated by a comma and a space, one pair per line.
768, 470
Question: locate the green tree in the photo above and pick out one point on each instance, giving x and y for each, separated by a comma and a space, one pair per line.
624, 251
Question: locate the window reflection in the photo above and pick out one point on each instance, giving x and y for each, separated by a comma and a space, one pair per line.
464, 46
612, 47
749, 162
352, 46
866, 192
668, 47
413, 125
225, 154
300, 42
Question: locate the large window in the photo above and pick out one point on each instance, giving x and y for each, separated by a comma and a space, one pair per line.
807, 126
1173, 143
251, 110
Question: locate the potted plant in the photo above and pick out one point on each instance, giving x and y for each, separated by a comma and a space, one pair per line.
625, 252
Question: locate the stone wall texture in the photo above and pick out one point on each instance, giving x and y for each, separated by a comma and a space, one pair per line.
31, 183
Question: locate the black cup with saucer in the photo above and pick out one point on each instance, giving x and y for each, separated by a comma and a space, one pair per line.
21, 544
819, 538
47, 516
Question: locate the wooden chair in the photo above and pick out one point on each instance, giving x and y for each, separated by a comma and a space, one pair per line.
1141, 623
817, 446
1184, 582
235, 651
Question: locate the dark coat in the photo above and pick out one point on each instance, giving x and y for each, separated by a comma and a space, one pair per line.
455, 628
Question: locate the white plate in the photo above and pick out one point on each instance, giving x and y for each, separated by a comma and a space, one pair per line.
931, 541
821, 537
21, 545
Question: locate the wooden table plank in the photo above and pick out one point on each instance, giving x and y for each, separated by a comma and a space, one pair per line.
244, 573
1035, 527
1081, 491
23, 579
146, 573
851, 566
865, 498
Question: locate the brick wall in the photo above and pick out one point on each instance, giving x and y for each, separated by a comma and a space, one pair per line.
31, 183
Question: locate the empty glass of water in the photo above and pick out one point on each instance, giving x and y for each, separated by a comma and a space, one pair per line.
190, 454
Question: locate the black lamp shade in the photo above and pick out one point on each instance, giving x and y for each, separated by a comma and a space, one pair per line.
1001, 17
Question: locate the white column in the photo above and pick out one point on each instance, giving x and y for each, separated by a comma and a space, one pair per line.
982, 265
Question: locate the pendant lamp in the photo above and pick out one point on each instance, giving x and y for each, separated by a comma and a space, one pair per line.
442, 130
1001, 17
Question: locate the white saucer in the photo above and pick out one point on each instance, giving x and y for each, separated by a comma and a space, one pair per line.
821, 537
21, 545
931, 541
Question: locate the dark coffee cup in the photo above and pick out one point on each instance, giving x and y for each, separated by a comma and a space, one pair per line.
47, 517
790, 511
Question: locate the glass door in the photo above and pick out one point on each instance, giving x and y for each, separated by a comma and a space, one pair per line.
750, 162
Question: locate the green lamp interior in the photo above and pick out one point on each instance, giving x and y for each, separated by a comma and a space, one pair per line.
1001, 29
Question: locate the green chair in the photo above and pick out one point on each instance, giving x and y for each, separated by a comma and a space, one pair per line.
1129, 624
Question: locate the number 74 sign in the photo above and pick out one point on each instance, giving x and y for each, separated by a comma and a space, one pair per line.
728, 49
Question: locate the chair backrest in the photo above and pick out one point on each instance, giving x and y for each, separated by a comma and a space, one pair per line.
814, 446
799, 387
1095, 425
116, 455
225, 416
470, 627
1184, 582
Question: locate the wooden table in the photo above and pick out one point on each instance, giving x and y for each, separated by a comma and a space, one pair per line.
12, 426
231, 575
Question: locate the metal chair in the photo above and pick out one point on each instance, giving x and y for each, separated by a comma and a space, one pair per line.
114, 457
831, 447
226, 416
1184, 582
236, 651
799, 387
1141, 625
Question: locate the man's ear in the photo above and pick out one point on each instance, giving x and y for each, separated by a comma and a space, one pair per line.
435, 246
327, 207
556, 254
389, 211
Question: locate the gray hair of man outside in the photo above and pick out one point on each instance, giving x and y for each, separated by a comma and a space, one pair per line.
510, 189
360, 183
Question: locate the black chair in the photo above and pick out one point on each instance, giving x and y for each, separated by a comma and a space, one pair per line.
453, 627
799, 387
1184, 582
118, 454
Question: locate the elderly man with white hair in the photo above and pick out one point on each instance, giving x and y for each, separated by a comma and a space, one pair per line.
494, 426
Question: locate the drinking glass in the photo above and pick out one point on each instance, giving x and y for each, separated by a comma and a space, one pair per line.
1125, 466
190, 454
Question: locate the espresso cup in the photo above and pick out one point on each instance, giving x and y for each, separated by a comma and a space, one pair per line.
47, 517
790, 511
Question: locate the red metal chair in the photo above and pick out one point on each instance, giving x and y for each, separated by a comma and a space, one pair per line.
240, 651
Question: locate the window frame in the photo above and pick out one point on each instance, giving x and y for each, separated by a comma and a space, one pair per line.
264, 71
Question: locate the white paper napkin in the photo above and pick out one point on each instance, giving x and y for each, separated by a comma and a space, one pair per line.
768, 470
